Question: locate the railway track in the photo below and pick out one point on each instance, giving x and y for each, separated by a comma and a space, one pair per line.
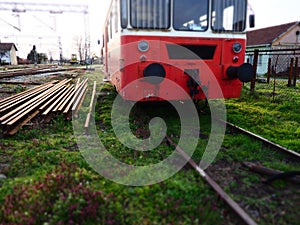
245, 184
232, 204
209, 175
32, 71
273, 145
259, 187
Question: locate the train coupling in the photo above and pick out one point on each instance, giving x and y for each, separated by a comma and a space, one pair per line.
244, 72
193, 82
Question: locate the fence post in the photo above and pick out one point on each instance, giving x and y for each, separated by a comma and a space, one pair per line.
296, 71
255, 61
269, 70
291, 73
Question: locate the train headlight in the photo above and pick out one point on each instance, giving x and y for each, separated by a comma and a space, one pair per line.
143, 46
237, 47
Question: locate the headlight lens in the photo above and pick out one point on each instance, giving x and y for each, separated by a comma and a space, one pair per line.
143, 46
237, 47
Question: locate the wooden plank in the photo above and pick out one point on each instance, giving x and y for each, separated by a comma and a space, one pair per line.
88, 117
76, 104
2, 101
16, 128
268, 171
78, 89
74, 93
13, 119
77, 83
18, 101
21, 107
22, 110
61, 91
65, 91
79, 99
24, 94
65, 100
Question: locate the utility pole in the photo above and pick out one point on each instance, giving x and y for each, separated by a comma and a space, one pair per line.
60, 51
24, 7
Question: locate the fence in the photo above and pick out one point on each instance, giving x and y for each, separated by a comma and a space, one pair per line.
277, 73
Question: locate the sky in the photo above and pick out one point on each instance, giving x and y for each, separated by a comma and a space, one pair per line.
45, 29
275, 12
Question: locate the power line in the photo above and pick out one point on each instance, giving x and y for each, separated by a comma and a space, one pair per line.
22, 7
15, 27
52, 8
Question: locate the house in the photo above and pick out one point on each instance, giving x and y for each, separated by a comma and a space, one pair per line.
284, 36
8, 54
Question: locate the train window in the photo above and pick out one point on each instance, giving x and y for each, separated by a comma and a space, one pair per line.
150, 14
190, 15
229, 15
124, 14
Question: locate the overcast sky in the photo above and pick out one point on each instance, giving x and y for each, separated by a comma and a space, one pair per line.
44, 29
275, 12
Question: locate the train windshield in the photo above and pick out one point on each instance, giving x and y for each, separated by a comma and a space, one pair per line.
229, 15
150, 14
190, 15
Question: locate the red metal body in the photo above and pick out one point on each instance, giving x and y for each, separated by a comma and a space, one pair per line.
198, 62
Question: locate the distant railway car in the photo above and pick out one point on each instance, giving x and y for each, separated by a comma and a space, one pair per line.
73, 59
193, 43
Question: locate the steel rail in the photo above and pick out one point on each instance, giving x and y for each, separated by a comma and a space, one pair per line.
32, 71
232, 204
285, 150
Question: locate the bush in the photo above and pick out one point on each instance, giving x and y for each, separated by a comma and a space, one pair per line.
60, 197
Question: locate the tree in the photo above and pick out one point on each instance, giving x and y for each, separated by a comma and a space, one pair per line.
80, 47
33, 55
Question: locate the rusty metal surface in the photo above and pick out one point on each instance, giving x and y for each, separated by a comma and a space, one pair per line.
45, 100
231, 203
293, 154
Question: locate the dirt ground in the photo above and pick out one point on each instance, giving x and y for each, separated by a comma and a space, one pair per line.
266, 203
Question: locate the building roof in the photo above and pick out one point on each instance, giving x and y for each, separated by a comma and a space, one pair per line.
7, 46
266, 36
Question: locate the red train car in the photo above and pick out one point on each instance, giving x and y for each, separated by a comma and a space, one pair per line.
197, 44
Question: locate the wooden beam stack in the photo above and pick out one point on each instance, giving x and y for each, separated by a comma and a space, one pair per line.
45, 100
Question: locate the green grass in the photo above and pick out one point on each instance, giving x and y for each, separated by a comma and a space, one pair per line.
276, 121
49, 181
